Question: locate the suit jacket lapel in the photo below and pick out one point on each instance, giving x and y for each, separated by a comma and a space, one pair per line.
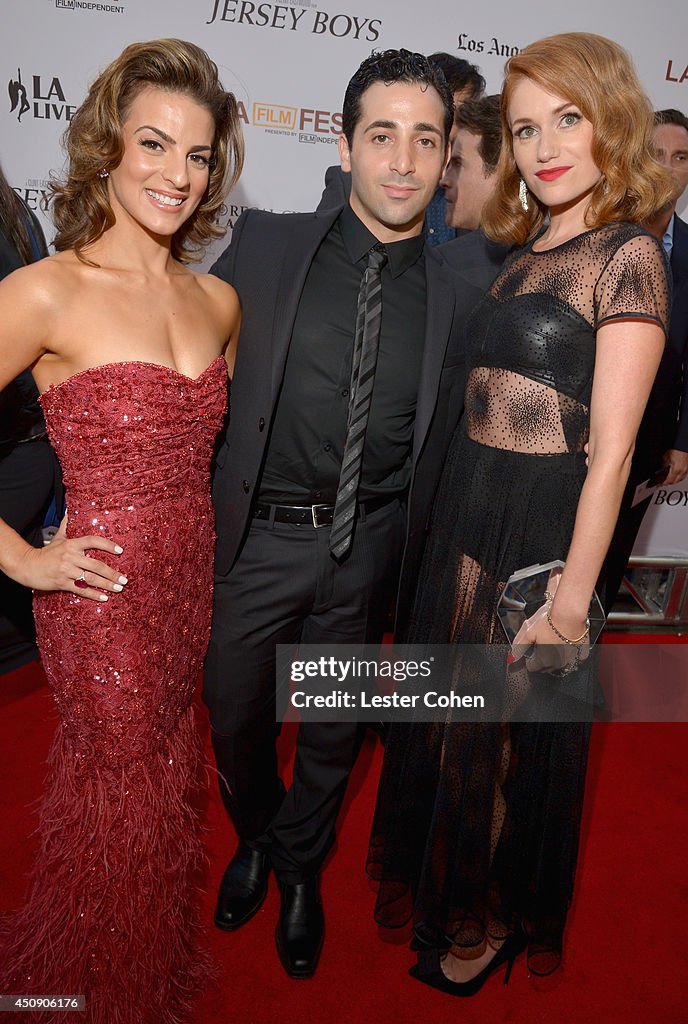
438, 322
679, 253
299, 250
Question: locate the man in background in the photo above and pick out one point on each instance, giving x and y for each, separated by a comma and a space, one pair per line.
661, 449
668, 405
465, 82
468, 179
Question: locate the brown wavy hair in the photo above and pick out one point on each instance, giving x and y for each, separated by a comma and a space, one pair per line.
598, 76
15, 219
93, 141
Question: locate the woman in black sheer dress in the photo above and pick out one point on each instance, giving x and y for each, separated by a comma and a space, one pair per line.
475, 834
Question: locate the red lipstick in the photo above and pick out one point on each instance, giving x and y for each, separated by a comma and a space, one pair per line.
551, 173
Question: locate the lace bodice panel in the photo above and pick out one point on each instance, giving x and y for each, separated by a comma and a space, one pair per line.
532, 338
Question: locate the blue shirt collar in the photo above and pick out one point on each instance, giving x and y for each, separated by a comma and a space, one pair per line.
668, 237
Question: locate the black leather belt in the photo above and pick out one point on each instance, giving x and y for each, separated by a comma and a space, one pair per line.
314, 515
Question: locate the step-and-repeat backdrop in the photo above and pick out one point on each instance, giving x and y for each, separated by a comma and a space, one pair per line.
288, 64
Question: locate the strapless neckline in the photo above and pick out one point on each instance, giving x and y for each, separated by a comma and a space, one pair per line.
132, 362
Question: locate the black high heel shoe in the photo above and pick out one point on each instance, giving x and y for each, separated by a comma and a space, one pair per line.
429, 969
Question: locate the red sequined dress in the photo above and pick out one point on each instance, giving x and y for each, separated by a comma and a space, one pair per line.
112, 905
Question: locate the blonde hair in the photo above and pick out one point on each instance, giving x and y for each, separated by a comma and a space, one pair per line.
93, 141
598, 76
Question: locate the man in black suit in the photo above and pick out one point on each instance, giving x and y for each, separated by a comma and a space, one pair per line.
278, 471
662, 442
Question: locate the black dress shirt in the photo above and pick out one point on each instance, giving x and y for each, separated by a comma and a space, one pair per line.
308, 433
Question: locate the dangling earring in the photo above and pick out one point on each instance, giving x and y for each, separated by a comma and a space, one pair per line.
103, 173
523, 195
605, 186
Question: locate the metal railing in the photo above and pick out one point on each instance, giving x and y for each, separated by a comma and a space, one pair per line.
658, 588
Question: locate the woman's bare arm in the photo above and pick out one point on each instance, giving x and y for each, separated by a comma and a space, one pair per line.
627, 357
30, 301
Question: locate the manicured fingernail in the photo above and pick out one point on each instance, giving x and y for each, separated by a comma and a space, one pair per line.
102, 597
117, 587
123, 579
118, 550
510, 658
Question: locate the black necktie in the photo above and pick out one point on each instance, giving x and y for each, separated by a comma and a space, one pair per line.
366, 342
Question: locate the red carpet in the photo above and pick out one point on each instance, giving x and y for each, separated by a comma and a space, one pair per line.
625, 960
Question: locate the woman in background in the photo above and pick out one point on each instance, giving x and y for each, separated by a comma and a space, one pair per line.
475, 836
128, 348
27, 462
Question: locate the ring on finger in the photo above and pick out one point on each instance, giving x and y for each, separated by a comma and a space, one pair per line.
80, 581
568, 669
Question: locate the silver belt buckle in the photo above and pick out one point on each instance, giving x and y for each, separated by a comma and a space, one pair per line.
314, 516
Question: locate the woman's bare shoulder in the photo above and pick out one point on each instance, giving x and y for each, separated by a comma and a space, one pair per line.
217, 290
47, 282
33, 301
223, 302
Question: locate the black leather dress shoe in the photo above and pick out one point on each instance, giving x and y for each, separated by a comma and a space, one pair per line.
243, 887
301, 928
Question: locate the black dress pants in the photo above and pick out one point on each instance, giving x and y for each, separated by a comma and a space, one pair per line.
621, 545
286, 588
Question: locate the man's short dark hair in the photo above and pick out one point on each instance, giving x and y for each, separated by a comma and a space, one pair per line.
671, 116
482, 117
460, 74
394, 66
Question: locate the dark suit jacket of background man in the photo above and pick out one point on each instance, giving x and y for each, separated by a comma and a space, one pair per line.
267, 264
473, 263
665, 424
665, 421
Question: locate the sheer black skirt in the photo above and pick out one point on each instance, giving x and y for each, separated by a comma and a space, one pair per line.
476, 827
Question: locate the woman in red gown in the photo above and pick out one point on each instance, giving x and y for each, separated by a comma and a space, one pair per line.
129, 350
